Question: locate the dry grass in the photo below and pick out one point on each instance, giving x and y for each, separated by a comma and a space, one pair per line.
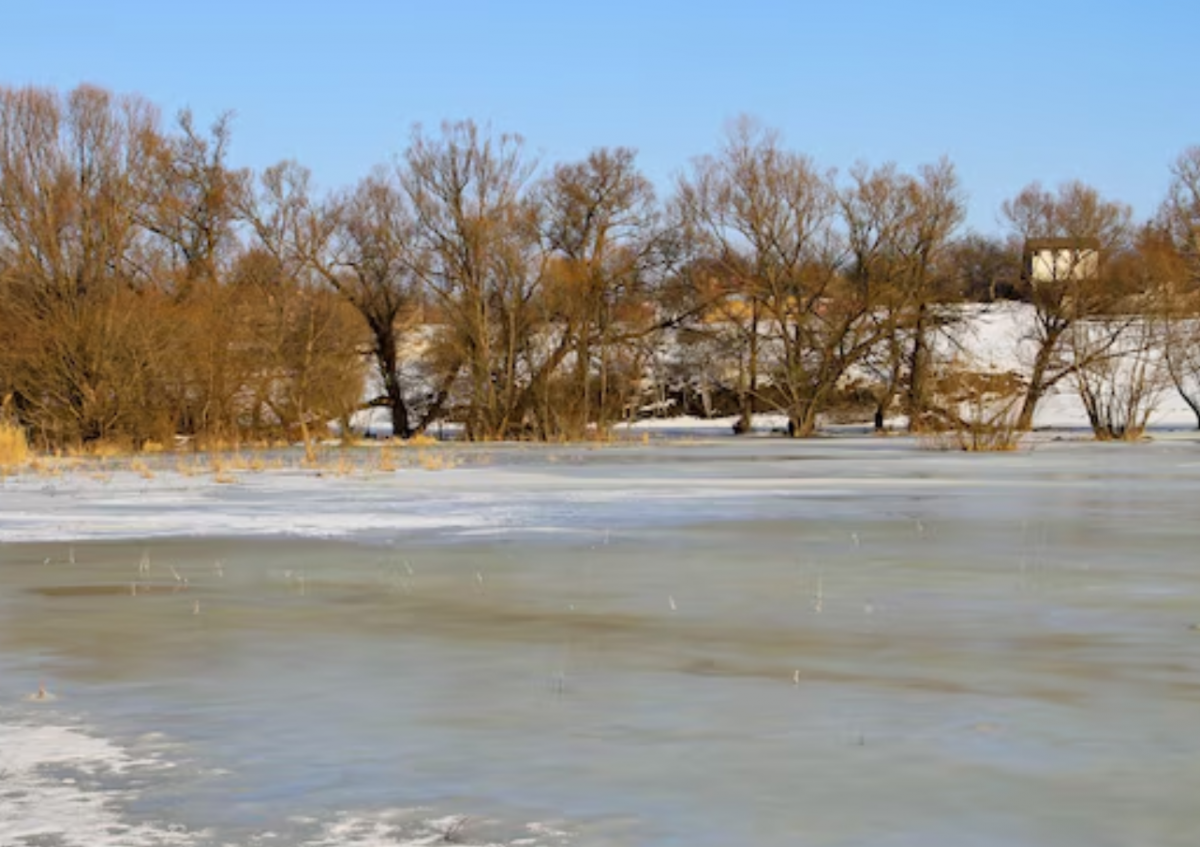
14, 448
141, 469
101, 459
102, 449
976, 412
183, 467
974, 439
435, 460
42, 466
218, 444
344, 466
239, 461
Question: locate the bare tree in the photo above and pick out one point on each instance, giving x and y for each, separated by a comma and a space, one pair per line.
1180, 212
481, 262
1121, 388
368, 257
600, 228
717, 325
305, 346
773, 211
1121, 391
1175, 253
313, 358
899, 229
188, 198
68, 168
1182, 352
984, 269
188, 201
1083, 232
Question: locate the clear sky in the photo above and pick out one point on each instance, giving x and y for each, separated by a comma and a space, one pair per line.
1106, 91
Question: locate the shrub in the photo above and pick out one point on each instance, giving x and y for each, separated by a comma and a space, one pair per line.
975, 411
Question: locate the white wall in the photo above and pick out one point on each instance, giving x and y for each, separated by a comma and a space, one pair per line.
1057, 265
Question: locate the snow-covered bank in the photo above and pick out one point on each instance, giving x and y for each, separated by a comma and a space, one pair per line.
997, 338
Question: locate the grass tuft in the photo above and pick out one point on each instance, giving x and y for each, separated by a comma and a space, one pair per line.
14, 448
435, 461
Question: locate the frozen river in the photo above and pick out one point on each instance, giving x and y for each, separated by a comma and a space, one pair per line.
761, 642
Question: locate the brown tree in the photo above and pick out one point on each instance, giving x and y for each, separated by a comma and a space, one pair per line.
481, 263
775, 212
1080, 232
899, 229
305, 345
188, 202
188, 199
600, 226
1179, 215
366, 253
984, 269
74, 255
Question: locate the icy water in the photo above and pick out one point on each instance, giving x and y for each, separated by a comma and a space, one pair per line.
845, 642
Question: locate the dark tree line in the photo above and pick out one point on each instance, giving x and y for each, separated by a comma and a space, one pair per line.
149, 289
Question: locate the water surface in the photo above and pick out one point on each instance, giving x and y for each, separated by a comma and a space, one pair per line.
836, 643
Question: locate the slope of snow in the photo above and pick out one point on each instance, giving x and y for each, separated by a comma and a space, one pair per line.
996, 337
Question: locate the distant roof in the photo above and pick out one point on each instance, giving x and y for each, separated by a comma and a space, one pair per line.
1062, 244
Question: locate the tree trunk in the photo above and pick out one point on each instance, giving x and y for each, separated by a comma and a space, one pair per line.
387, 359
747, 421
1037, 381
802, 421
310, 453
918, 367
395, 395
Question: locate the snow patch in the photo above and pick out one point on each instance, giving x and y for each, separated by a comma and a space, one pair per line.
51, 780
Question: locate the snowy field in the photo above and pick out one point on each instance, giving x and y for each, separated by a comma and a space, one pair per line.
849, 640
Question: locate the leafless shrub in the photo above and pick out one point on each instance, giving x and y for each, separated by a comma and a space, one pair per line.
974, 411
1121, 387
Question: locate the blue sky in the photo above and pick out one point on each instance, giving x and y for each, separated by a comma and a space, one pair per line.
1011, 91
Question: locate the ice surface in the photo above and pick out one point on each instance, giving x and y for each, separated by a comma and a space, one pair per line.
851, 640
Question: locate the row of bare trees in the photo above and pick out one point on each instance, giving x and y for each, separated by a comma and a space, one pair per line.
149, 289
129, 305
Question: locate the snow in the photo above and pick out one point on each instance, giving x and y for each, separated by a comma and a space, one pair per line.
995, 337
50, 778
55, 786
493, 498
999, 338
